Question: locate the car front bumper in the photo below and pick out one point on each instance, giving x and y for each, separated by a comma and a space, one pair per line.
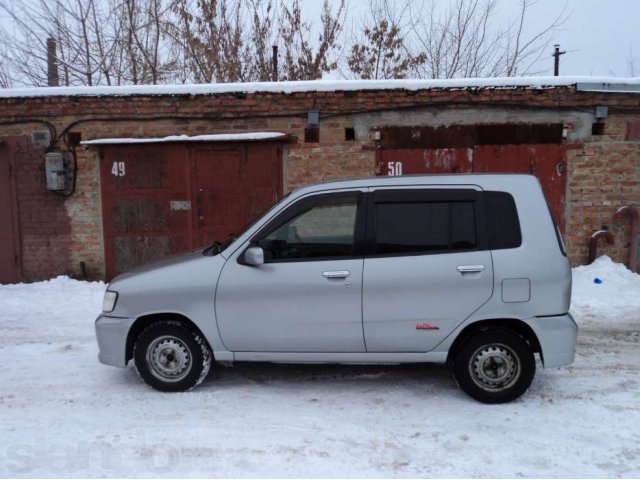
111, 333
557, 336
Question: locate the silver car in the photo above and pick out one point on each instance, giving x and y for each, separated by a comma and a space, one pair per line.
468, 270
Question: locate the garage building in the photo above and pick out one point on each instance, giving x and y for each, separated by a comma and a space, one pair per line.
97, 180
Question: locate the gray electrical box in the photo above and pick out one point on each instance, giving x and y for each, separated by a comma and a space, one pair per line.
602, 111
56, 171
42, 138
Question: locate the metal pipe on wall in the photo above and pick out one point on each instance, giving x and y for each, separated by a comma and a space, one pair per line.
593, 243
635, 227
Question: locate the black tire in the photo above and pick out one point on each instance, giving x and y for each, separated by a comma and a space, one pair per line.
494, 366
172, 357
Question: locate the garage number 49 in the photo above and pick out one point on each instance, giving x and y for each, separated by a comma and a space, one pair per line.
118, 169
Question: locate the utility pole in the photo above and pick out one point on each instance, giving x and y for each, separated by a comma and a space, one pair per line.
556, 59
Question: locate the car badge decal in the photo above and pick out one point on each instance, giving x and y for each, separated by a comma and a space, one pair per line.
427, 326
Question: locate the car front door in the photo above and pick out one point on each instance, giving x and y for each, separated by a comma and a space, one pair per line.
307, 296
427, 266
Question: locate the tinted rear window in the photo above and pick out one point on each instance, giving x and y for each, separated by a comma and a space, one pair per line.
502, 219
412, 227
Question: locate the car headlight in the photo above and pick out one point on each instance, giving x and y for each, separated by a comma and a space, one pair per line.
109, 302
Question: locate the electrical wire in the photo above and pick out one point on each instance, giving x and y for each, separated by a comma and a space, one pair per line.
71, 149
324, 114
50, 126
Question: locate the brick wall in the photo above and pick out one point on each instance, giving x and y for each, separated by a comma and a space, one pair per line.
45, 227
604, 174
603, 171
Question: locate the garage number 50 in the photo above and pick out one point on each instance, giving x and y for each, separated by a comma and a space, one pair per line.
118, 169
395, 168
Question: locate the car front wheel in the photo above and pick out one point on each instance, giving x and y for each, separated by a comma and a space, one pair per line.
171, 357
495, 366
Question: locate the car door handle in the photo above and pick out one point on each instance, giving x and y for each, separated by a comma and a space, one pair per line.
470, 268
336, 274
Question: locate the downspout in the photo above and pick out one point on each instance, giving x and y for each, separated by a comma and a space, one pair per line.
635, 224
593, 243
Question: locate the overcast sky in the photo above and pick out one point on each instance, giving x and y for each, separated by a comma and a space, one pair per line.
598, 34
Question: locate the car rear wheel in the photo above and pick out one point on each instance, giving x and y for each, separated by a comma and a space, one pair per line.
171, 357
495, 366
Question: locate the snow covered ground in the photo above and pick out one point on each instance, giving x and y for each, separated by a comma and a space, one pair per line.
64, 414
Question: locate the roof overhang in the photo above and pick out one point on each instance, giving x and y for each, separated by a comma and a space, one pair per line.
608, 87
218, 137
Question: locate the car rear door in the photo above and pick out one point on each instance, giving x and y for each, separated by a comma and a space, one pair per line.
427, 266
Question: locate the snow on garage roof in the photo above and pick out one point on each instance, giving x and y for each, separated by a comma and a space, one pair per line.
221, 137
585, 83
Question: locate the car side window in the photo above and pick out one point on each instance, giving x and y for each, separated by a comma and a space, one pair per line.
463, 226
412, 227
504, 225
415, 227
326, 230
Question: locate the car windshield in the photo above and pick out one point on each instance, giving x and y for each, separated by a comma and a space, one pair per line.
217, 246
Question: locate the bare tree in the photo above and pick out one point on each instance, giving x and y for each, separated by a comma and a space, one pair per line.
230, 41
522, 53
464, 40
633, 64
73, 24
5, 79
379, 51
212, 38
98, 41
303, 58
143, 30
263, 37
116, 42
25, 53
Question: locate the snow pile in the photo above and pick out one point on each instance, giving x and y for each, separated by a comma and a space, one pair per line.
54, 309
606, 292
62, 414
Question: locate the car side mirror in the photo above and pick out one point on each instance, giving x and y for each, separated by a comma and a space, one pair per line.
254, 256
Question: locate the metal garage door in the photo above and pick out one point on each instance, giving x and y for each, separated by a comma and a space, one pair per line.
480, 148
9, 240
160, 199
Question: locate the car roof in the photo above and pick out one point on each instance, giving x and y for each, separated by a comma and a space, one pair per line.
482, 180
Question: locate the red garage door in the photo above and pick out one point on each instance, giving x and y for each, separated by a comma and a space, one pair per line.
544, 160
169, 198
411, 161
9, 239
